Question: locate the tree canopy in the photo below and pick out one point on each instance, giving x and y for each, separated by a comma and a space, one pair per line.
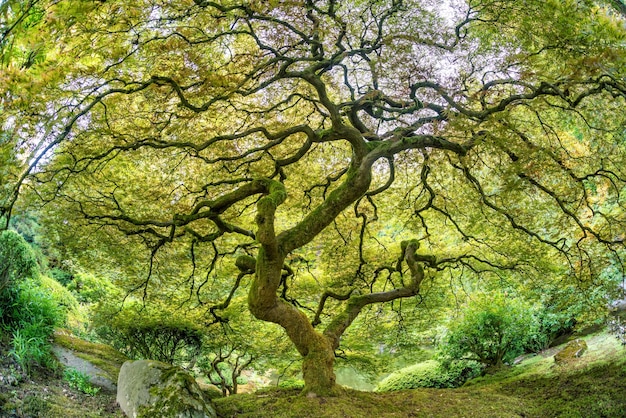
340, 154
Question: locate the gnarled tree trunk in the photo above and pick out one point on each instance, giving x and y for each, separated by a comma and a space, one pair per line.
315, 348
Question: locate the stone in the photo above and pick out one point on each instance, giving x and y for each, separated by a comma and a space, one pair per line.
97, 376
147, 388
572, 350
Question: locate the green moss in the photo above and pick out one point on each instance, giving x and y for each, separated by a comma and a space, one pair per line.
592, 385
422, 403
178, 393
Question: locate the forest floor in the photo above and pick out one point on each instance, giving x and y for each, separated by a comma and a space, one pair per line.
593, 385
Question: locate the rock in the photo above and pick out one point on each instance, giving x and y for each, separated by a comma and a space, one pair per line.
571, 351
147, 388
97, 376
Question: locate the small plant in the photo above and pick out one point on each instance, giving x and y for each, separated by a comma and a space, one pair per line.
79, 381
34, 315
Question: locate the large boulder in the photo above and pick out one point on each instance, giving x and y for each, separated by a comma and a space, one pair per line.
572, 350
147, 388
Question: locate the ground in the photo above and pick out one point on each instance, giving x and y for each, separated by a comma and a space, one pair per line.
45, 394
590, 386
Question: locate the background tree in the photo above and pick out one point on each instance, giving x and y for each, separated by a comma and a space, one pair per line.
340, 155
493, 329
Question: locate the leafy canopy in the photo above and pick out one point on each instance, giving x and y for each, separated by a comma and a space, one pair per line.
330, 156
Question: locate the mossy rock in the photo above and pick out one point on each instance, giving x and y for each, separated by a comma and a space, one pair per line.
148, 388
572, 350
102, 356
210, 391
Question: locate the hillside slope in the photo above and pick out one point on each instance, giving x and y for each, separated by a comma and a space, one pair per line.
593, 385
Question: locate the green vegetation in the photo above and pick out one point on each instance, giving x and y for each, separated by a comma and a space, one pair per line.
493, 329
28, 311
155, 333
18, 263
264, 191
431, 374
35, 315
590, 387
100, 355
80, 381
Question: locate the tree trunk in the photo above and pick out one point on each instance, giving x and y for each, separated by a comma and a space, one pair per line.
264, 304
316, 349
317, 368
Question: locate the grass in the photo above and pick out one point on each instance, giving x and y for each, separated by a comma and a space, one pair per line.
593, 385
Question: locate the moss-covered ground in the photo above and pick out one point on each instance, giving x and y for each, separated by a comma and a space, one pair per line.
593, 385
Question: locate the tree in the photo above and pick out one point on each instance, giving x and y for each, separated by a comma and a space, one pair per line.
493, 329
340, 154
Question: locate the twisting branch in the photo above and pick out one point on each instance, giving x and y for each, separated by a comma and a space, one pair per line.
356, 303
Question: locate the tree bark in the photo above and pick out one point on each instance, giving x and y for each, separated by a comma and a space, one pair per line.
317, 349
264, 304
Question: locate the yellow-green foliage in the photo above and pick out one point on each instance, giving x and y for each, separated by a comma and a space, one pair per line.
91, 288
430, 374
494, 328
60, 294
156, 332
17, 260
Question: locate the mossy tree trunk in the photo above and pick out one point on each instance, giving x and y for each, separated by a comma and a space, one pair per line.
316, 348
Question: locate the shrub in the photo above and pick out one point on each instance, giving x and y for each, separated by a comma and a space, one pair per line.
550, 326
17, 258
17, 262
60, 294
430, 374
291, 384
62, 276
35, 314
492, 330
90, 288
160, 334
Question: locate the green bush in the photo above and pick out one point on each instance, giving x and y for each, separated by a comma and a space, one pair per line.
35, 314
291, 383
18, 258
17, 263
90, 288
430, 374
61, 276
60, 294
493, 330
172, 337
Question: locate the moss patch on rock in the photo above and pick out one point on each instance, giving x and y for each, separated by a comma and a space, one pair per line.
102, 356
572, 350
148, 388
